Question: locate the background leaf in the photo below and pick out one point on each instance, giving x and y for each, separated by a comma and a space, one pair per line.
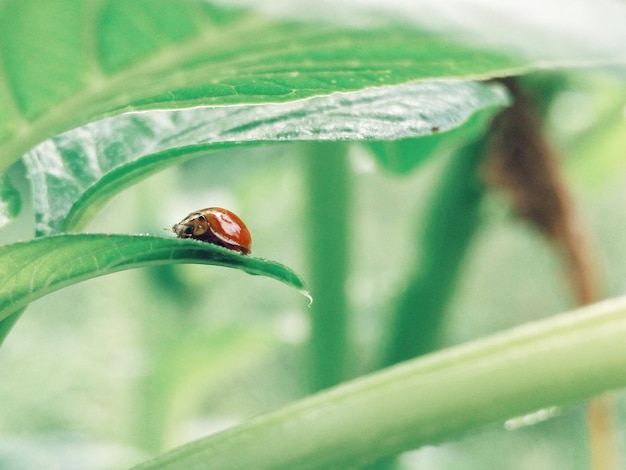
198, 363
550, 33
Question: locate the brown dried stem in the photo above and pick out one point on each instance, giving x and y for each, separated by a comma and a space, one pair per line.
521, 163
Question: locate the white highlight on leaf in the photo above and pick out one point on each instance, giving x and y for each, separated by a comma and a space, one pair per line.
4, 211
532, 418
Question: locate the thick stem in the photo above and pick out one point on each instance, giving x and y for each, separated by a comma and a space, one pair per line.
555, 362
328, 245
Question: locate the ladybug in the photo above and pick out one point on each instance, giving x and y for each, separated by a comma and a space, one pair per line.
218, 226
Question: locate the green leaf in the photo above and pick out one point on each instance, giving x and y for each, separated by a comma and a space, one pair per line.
29, 270
556, 362
88, 60
75, 173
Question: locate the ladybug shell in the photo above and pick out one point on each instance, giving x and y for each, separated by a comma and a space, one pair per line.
218, 226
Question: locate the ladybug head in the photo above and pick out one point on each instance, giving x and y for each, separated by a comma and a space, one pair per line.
183, 230
193, 225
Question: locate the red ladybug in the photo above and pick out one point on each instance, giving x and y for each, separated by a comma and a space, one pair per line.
218, 226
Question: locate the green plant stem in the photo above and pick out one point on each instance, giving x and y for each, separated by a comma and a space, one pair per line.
555, 362
446, 232
328, 236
